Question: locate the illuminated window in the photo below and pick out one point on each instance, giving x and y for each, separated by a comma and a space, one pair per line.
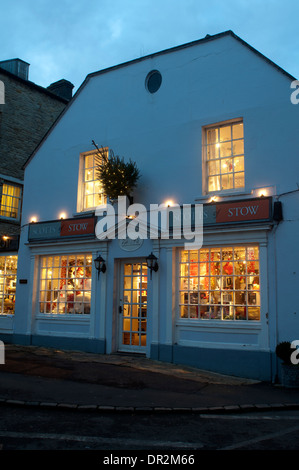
220, 284
91, 192
224, 157
10, 201
65, 284
8, 282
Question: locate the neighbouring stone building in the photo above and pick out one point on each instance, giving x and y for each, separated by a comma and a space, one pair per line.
27, 111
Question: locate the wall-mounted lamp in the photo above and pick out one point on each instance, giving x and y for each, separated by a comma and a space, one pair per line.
169, 203
62, 215
152, 263
100, 265
33, 220
263, 192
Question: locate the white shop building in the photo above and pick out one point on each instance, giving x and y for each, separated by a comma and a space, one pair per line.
210, 122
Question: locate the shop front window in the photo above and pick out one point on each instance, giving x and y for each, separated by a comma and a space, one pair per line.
8, 282
65, 284
220, 284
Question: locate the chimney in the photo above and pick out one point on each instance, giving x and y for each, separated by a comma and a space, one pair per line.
62, 88
17, 67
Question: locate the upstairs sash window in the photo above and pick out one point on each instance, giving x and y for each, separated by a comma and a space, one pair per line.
10, 201
91, 193
224, 157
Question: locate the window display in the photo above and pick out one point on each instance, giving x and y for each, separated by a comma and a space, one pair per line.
8, 282
220, 284
65, 284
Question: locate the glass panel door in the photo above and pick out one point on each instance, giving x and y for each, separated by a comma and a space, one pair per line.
133, 307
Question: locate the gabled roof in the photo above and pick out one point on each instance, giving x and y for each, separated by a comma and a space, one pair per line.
207, 38
32, 85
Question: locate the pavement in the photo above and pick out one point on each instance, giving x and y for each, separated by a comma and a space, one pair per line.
51, 378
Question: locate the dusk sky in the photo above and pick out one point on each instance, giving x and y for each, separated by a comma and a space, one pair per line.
72, 38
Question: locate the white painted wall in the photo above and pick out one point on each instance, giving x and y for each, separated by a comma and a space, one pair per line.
201, 85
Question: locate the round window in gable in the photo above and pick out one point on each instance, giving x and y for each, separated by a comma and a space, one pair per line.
153, 81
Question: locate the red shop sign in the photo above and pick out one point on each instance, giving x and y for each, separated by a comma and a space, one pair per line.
253, 209
73, 227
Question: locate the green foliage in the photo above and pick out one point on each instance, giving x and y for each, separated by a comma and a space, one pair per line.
284, 351
118, 177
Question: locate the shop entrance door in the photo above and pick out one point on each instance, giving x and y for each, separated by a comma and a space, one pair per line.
133, 307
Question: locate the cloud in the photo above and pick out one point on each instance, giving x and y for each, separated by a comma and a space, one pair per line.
71, 38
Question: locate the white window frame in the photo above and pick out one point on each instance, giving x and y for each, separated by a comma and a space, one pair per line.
205, 173
17, 198
215, 309
81, 206
65, 300
8, 294
69, 325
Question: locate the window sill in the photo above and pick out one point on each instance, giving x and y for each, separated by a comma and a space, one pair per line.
223, 195
10, 220
85, 213
63, 316
212, 323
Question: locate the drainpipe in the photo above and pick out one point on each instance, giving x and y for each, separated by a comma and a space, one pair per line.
274, 373
277, 217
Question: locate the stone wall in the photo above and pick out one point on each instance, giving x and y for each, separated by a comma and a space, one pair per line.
28, 113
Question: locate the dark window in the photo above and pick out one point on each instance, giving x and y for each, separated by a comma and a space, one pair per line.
153, 81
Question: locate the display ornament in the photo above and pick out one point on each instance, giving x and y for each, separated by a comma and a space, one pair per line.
118, 178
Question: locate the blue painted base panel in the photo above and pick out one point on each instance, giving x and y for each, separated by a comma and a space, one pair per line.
69, 344
239, 363
248, 364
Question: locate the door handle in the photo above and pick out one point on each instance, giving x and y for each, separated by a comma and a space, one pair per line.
120, 309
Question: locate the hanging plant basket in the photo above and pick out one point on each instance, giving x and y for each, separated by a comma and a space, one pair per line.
118, 178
